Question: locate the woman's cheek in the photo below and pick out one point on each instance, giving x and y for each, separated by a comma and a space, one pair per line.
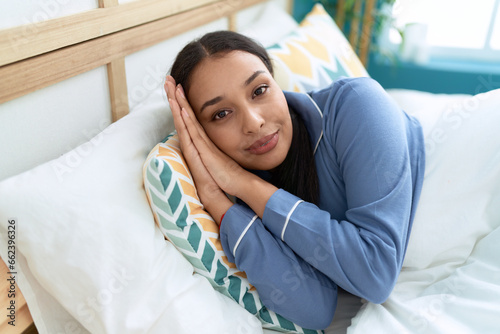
222, 137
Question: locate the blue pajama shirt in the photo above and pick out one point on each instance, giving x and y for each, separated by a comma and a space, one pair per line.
370, 160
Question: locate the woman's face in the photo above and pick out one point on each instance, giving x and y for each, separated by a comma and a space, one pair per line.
242, 109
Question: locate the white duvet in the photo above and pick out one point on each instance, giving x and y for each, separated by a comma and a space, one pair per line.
450, 282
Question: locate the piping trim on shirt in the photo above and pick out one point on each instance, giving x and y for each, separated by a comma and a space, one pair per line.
243, 234
317, 143
288, 218
314, 102
321, 114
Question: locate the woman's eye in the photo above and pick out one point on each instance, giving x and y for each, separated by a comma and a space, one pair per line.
260, 90
221, 114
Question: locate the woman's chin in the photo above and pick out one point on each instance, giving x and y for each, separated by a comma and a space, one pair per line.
263, 163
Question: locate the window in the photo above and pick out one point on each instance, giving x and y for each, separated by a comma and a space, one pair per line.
452, 29
495, 36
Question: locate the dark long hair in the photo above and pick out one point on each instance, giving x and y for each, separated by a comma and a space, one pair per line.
297, 174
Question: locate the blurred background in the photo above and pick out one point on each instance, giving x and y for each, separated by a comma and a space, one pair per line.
439, 46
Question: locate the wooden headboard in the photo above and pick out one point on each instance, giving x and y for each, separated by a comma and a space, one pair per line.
63, 47
35, 56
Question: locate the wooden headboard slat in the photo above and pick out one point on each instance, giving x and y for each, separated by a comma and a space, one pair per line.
117, 79
118, 92
30, 74
29, 40
108, 3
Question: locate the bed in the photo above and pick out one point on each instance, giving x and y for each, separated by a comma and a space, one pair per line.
86, 242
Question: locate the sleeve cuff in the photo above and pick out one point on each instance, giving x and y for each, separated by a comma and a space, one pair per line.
237, 221
278, 211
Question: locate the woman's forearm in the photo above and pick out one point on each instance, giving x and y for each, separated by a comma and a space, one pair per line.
286, 283
255, 192
216, 203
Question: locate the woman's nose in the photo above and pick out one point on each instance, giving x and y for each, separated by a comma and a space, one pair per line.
252, 121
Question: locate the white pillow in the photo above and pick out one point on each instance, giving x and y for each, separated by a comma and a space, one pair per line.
271, 26
461, 192
88, 253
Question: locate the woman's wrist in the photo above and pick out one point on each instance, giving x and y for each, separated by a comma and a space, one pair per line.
255, 192
217, 205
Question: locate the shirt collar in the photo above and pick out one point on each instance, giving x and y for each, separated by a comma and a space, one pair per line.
311, 114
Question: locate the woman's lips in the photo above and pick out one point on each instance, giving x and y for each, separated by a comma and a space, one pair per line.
265, 144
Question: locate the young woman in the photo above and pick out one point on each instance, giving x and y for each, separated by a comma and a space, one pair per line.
327, 182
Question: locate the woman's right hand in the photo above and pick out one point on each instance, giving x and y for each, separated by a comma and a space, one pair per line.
211, 195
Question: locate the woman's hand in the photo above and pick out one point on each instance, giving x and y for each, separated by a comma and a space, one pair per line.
211, 195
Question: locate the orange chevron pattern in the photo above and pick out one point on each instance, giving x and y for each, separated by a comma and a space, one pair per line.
314, 55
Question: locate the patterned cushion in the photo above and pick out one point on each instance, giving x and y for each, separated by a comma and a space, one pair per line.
182, 219
314, 55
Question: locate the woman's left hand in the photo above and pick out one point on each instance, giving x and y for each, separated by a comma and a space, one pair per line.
211, 195
223, 169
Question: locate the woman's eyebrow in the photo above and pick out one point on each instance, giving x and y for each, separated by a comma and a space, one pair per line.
210, 102
253, 76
